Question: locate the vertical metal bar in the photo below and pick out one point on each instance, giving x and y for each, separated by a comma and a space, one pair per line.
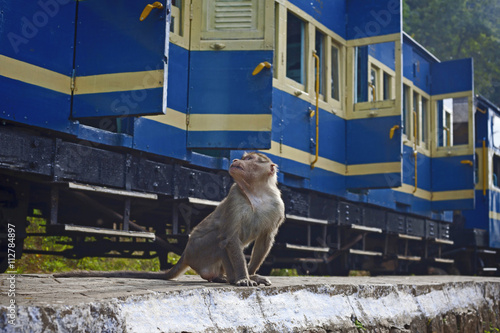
54, 204
126, 215
308, 235
485, 169
175, 219
317, 110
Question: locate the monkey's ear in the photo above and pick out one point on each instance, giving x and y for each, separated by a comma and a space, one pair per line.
274, 168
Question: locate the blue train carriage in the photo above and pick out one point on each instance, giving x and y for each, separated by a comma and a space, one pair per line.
379, 160
373, 135
477, 231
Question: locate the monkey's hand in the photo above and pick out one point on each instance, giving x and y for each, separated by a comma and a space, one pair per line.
246, 283
260, 279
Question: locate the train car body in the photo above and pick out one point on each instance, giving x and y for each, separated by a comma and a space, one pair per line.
128, 115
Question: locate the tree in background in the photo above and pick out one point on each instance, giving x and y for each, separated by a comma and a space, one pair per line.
454, 29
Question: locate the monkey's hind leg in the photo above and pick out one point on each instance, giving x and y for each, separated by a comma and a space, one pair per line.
179, 268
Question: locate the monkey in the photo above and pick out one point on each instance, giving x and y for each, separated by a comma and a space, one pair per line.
251, 212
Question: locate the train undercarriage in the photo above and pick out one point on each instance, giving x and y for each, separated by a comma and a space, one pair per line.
124, 204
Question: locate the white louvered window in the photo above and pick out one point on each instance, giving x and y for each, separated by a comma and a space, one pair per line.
223, 19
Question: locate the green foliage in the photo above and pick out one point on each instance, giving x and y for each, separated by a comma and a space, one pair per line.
284, 272
36, 263
454, 29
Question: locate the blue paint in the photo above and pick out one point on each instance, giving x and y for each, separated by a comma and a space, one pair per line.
230, 139
381, 180
452, 76
449, 174
384, 52
161, 139
222, 83
39, 33
368, 140
423, 169
330, 13
118, 104
370, 18
494, 233
99, 136
111, 39
177, 78
36, 106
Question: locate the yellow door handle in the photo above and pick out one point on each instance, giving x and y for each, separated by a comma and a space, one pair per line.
469, 162
260, 67
149, 8
391, 133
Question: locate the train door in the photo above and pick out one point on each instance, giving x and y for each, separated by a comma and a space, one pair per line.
230, 74
453, 153
374, 99
36, 62
120, 58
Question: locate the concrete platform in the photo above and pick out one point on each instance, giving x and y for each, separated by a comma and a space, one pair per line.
43, 303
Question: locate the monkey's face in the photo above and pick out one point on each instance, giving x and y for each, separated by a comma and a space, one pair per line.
252, 167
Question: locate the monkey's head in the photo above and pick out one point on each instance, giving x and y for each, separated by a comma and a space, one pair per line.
254, 169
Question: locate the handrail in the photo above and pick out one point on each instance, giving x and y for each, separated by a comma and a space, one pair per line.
448, 139
415, 127
484, 166
416, 174
415, 153
317, 110
391, 132
374, 90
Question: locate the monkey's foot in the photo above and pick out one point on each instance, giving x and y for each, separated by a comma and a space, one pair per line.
260, 279
246, 283
219, 279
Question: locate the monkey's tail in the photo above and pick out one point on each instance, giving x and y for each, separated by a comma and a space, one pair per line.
179, 268
172, 273
115, 274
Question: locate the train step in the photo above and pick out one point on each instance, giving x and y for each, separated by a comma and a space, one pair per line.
289, 246
305, 219
71, 229
112, 191
365, 253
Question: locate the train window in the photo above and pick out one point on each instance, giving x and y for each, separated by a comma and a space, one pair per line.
424, 120
453, 121
496, 170
496, 131
372, 84
320, 51
388, 86
374, 76
176, 17
416, 117
295, 44
361, 61
406, 110
335, 73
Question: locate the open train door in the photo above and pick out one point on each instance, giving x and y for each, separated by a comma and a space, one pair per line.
452, 99
374, 101
230, 74
120, 58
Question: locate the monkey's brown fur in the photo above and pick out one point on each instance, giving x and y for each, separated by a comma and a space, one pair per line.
251, 212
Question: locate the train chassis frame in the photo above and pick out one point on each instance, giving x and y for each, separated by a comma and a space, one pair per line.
120, 203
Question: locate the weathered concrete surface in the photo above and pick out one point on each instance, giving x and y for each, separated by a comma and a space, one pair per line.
302, 304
